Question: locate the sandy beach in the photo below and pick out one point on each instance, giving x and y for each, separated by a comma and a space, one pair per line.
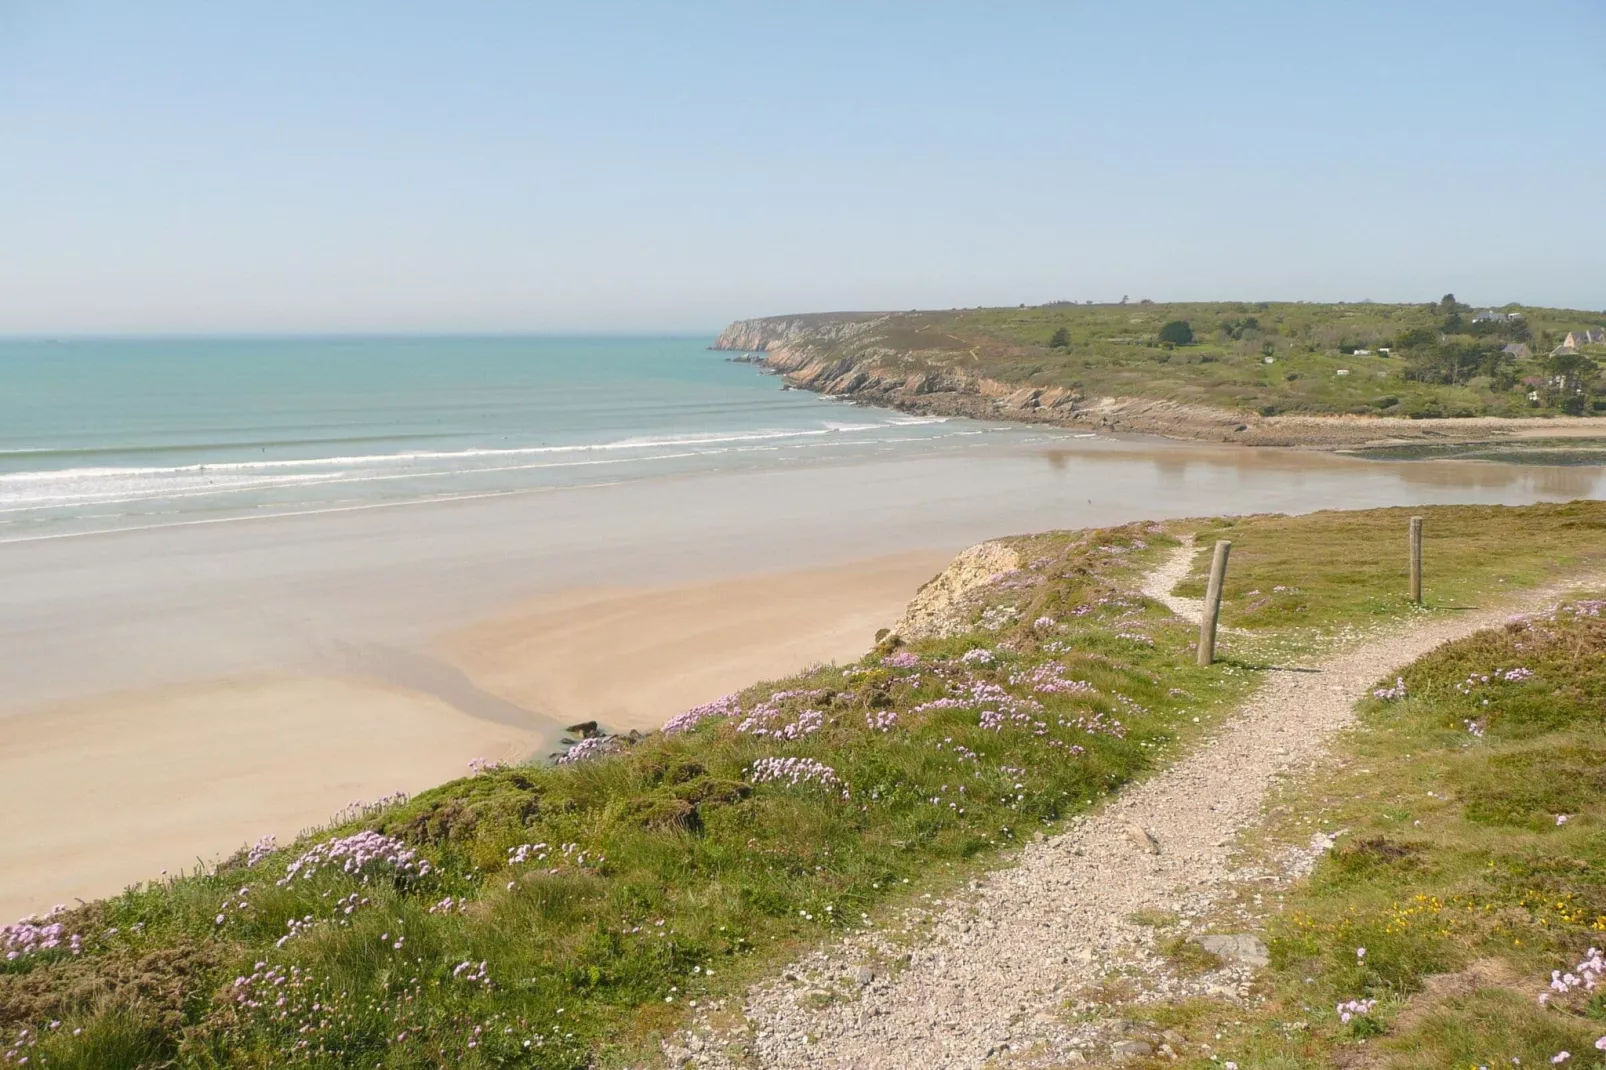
631, 659
103, 792
169, 694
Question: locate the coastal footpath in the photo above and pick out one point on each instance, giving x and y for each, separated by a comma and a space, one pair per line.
1290, 378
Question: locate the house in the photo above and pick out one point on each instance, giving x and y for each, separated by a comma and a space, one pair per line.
1589, 336
1489, 315
1519, 350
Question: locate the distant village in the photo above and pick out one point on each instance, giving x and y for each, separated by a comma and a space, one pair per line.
1572, 343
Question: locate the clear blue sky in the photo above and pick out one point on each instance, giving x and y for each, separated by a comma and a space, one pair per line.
341, 165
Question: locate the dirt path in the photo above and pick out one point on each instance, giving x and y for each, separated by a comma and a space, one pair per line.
995, 965
1159, 583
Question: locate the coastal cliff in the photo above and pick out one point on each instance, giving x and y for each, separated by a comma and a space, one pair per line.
1286, 376
847, 356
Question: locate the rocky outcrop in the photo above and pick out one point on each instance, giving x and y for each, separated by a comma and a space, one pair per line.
940, 608
776, 333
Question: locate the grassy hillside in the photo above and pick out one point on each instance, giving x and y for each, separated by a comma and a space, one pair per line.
1256, 358
564, 916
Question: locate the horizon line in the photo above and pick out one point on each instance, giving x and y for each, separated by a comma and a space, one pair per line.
311, 336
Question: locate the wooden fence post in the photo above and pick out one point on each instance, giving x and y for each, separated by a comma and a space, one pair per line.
1212, 605
1416, 560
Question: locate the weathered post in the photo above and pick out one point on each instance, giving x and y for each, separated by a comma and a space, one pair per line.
1416, 560
1212, 605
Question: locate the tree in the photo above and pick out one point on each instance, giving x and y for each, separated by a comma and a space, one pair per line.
1447, 304
1453, 363
1417, 336
1177, 332
1569, 372
1060, 338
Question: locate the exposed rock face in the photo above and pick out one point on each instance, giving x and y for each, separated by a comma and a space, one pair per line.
939, 608
777, 332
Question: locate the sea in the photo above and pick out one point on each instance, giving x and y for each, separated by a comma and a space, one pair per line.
101, 435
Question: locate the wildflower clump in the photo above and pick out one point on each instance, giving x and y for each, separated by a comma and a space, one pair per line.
1585, 976
361, 854
1050, 679
591, 747
260, 850
796, 771
1390, 693
34, 934
724, 706
1355, 1008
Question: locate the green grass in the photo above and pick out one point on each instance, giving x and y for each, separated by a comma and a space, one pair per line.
1453, 873
1347, 569
1539, 451
671, 873
1114, 351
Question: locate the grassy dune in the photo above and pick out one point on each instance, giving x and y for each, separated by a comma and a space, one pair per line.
563, 916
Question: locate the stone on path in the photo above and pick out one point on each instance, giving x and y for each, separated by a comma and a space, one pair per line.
1143, 839
1234, 947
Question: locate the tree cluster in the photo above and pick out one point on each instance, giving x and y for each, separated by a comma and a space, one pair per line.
1237, 329
1177, 333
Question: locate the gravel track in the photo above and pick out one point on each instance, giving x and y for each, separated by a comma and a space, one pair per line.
1159, 583
997, 964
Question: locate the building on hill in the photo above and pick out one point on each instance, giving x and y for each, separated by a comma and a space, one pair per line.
1490, 315
1519, 350
1589, 336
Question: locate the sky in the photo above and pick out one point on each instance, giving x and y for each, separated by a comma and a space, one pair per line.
242, 167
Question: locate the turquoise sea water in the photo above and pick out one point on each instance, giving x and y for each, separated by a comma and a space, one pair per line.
107, 434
